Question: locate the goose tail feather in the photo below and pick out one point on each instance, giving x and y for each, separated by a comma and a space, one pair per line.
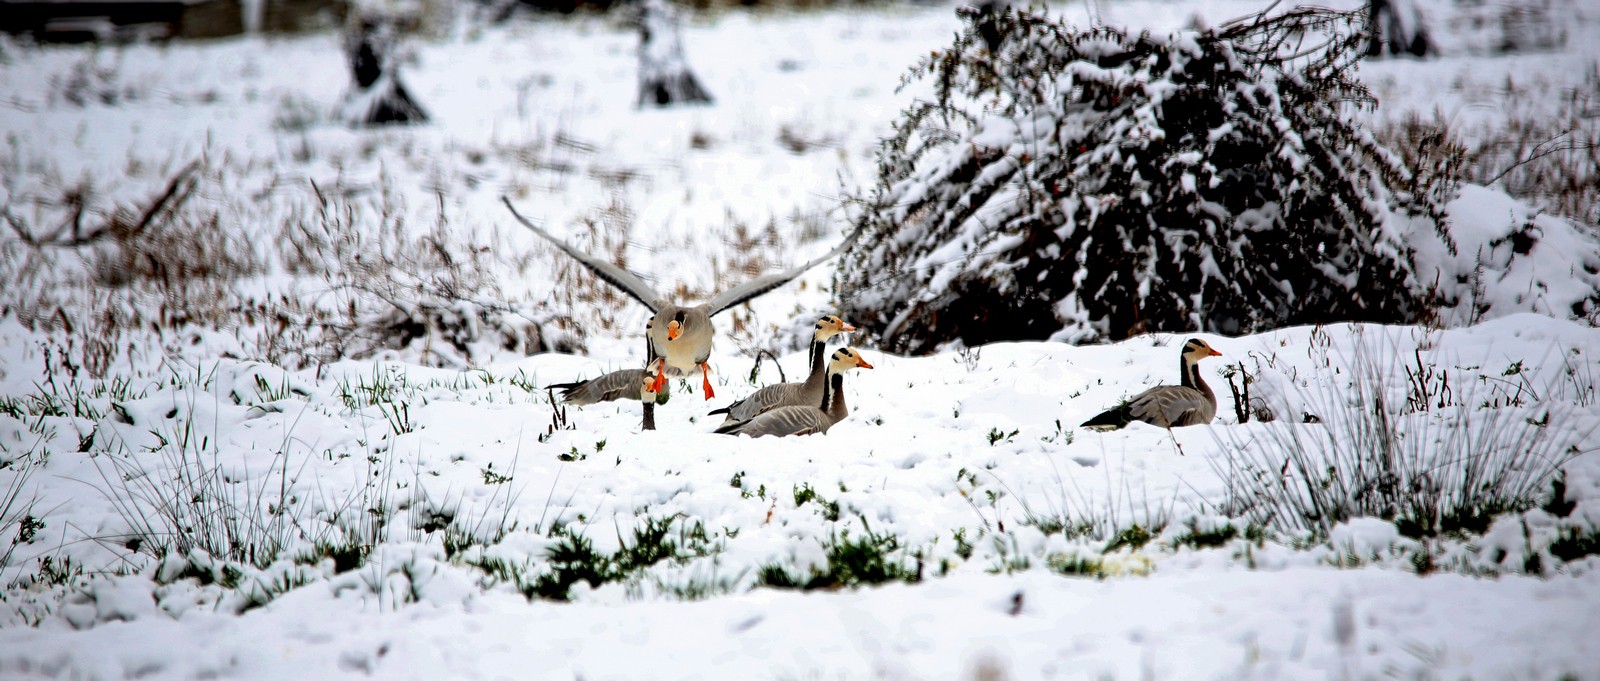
1110, 419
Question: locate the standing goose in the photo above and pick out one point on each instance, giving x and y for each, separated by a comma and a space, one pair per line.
804, 420
1189, 404
680, 339
792, 394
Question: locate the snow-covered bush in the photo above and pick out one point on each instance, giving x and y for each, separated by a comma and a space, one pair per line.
1433, 456
1088, 183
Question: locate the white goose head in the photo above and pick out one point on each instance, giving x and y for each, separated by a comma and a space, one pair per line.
829, 326
1189, 362
677, 324
845, 359
1196, 350
647, 387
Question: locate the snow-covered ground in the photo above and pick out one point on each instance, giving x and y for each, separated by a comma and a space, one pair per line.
1008, 542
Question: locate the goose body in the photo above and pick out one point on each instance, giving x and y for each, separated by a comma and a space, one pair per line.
627, 384
806, 419
800, 394
1191, 403
680, 338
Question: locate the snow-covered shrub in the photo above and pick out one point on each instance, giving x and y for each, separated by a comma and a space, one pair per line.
1547, 157
1088, 183
1446, 458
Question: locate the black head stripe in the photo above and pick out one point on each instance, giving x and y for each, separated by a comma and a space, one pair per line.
678, 317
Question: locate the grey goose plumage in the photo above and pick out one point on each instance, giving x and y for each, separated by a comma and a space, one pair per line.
799, 394
626, 384
680, 340
807, 419
1190, 403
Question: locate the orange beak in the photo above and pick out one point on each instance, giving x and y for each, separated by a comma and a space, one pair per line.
863, 364
1213, 352
674, 329
847, 327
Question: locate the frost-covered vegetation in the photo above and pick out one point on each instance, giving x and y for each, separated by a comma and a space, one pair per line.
1085, 183
272, 390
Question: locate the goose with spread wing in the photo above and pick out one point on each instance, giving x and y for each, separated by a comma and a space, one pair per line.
1190, 403
807, 419
626, 384
681, 336
804, 393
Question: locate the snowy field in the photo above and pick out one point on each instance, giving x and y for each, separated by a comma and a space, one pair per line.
192, 485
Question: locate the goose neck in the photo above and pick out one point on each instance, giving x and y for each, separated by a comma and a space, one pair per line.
838, 409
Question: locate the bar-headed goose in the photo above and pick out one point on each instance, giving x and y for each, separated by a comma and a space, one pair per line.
617, 385
680, 340
802, 394
627, 384
804, 420
1190, 403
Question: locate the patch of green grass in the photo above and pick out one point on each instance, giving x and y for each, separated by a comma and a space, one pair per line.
572, 558
996, 435
804, 493
1212, 537
1134, 537
490, 477
346, 555
12, 406
964, 547
1573, 544
1075, 565
865, 559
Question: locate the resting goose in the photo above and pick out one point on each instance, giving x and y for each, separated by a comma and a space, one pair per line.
792, 394
680, 340
804, 420
627, 384
1189, 404
617, 385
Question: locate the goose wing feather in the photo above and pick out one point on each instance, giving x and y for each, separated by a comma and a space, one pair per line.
764, 400
760, 285
781, 422
627, 281
1172, 405
617, 385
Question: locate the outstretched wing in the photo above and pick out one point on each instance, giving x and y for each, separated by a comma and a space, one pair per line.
627, 281
760, 285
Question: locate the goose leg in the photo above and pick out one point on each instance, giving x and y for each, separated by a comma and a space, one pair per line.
661, 375
705, 377
650, 405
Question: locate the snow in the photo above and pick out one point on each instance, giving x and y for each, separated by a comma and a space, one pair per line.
972, 445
